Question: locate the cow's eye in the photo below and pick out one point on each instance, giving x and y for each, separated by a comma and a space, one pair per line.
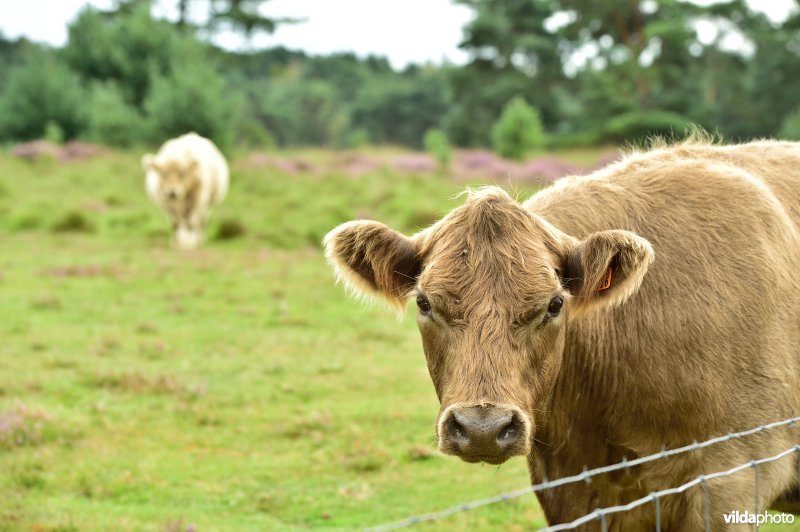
554, 308
423, 304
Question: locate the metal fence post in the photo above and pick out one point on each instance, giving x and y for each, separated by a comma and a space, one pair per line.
755, 472
707, 503
657, 502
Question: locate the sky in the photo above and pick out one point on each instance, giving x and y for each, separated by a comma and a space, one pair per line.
405, 31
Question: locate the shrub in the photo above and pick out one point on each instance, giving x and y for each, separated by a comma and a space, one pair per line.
638, 126
790, 130
518, 130
39, 92
110, 119
437, 145
253, 134
53, 133
357, 138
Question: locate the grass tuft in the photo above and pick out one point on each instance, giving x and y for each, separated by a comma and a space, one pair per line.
229, 229
73, 222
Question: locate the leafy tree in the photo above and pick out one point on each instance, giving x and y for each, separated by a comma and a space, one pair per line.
512, 53
518, 130
126, 48
303, 113
242, 16
193, 97
42, 90
400, 109
790, 130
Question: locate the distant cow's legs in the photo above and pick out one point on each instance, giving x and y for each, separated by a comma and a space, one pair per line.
189, 230
187, 237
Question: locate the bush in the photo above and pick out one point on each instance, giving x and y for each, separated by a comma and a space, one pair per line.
39, 92
53, 133
518, 130
790, 130
357, 138
110, 119
253, 134
638, 126
437, 145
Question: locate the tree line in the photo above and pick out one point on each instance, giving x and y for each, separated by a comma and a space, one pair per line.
578, 72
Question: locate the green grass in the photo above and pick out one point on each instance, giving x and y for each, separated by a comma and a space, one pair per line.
231, 388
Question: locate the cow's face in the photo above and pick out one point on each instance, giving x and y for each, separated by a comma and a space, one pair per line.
495, 287
178, 183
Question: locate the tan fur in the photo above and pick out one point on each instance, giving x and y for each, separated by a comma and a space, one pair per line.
698, 335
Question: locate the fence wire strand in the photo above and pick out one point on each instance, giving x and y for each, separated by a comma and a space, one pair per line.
587, 474
670, 491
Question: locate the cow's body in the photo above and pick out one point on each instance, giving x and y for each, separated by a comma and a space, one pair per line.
186, 178
710, 344
706, 342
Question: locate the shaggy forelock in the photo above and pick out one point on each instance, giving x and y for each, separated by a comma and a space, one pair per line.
489, 256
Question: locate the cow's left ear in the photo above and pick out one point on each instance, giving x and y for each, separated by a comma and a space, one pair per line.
605, 269
374, 260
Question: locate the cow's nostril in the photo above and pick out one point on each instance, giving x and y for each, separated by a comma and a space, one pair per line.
456, 432
509, 434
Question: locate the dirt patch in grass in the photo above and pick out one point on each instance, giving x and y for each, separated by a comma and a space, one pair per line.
46, 302
363, 457
420, 453
84, 271
140, 383
313, 426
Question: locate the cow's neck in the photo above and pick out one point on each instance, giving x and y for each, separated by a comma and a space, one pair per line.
591, 404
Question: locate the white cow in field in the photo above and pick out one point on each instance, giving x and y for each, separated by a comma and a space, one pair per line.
186, 178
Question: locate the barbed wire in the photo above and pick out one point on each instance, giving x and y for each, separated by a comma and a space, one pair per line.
584, 476
656, 495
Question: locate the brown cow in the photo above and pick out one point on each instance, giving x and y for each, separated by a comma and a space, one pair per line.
648, 305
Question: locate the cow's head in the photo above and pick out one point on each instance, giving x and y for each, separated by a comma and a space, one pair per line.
178, 181
495, 286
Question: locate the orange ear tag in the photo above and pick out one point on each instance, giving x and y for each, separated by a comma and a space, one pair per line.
606, 282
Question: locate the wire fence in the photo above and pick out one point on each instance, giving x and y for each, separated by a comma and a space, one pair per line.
601, 514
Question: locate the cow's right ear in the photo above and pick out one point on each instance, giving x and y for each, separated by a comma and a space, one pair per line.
373, 260
606, 268
148, 162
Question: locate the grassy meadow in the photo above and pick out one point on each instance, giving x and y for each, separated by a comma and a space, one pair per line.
234, 387
230, 388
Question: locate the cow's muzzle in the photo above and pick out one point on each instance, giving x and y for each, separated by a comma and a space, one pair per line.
484, 433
